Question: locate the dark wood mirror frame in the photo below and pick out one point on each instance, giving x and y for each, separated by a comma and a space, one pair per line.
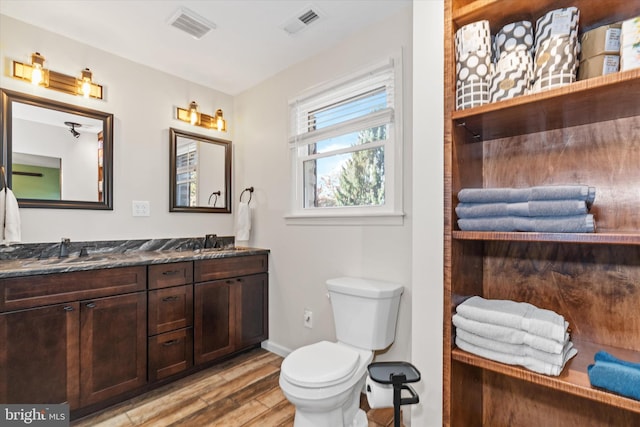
173, 142
6, 117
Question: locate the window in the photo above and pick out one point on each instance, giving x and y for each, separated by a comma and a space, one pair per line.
346, 149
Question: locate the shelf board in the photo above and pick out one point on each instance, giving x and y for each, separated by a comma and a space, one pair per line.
588, 238
603, 98
573, 379
592, 13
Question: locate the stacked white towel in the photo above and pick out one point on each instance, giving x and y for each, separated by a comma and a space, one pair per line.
515, 333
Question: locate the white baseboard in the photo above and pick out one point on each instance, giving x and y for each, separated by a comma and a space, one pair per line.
275, 348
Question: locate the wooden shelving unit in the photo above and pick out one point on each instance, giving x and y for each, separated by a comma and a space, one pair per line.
588, 133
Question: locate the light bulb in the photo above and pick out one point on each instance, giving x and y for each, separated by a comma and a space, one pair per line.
86, 89
193, 113
85, 86
36, 75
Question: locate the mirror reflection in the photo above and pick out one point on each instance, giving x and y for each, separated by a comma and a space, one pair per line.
56, 155
200, 172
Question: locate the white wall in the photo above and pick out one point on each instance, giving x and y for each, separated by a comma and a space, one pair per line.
428, 208
304, 257
143, 102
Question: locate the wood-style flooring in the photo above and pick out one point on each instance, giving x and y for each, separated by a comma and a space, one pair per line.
241, 392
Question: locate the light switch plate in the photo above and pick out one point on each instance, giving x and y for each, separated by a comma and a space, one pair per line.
141, 208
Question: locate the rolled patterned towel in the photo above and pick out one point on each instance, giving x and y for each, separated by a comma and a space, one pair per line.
516, 349
509, 335
517, 315
527, 362
618, 376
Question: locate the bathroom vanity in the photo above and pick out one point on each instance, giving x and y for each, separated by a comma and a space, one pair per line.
96, 330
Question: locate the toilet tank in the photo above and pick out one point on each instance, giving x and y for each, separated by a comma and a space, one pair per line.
365, 311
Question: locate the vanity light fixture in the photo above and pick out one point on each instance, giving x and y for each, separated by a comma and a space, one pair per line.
193, 116
38, 75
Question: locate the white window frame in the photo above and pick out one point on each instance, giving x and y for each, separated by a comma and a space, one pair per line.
391, 212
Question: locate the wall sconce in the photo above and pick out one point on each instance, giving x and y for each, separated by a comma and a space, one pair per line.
193, 116
38, 75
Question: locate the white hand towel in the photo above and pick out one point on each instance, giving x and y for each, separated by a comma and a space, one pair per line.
243, 222
527, 362
10, 216
515, 349
517, 315
509, 335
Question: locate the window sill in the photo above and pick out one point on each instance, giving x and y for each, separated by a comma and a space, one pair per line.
391, 218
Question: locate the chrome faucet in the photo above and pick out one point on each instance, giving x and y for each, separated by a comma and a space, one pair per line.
64, 247
210, 241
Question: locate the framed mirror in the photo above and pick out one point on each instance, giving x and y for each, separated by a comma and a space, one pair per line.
56, 155
199, 173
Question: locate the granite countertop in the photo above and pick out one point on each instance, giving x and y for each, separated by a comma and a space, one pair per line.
119, 255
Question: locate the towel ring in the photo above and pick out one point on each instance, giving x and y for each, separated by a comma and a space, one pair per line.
250, 190
216, 193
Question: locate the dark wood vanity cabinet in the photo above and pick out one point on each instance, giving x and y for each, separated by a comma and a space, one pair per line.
229, 313
90, 338
86, 347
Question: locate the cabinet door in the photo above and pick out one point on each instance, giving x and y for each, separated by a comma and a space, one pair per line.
252, 322
39, 355
113, 346
214, 320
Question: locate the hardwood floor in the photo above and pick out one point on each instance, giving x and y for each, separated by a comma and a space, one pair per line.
241, 392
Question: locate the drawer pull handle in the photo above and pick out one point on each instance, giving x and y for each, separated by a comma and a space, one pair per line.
171, 272
171, 298
68, 308
170, 343
91, 305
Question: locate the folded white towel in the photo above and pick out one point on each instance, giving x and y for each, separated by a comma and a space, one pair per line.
527, 362
517, 315
243, 222
509, 335
515, 349
9, 217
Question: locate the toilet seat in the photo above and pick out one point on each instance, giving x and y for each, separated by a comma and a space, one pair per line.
320, 365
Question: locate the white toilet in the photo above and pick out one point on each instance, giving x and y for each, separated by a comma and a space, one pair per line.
324, 380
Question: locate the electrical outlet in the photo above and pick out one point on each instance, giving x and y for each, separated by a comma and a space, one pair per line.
308, 318
141, 208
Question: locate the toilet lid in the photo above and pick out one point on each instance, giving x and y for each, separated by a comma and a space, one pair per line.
320, 365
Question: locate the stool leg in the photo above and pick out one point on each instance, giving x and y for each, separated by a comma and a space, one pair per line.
397, 390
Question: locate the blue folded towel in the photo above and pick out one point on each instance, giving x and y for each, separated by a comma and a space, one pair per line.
526, 209
550, 224
615, 375
514, 195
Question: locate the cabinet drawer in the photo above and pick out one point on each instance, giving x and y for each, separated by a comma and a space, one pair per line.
174, 274
170, 308
220, 268
32, 291
170, 353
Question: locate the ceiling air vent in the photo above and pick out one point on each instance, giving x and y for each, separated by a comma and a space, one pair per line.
191, 23
301, 22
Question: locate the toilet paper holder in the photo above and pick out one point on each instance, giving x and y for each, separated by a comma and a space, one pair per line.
398, 374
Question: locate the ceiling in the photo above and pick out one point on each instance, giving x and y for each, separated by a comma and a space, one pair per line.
247, 46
